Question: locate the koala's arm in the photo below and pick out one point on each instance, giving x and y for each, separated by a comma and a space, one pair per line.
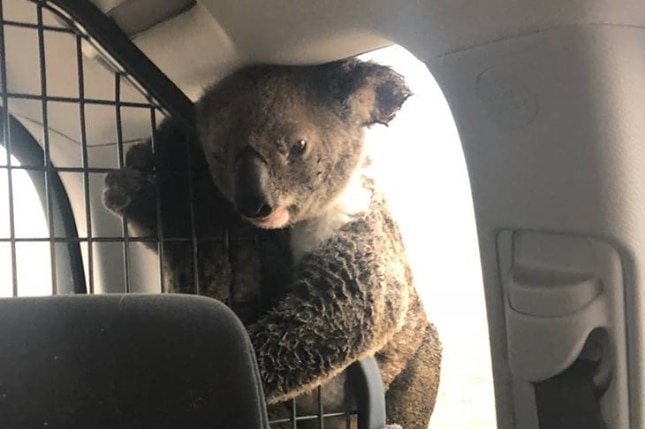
345, 304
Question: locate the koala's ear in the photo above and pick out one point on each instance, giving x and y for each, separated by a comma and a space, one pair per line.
367, 92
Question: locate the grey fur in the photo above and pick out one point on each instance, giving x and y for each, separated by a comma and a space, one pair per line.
352, 293
349, 291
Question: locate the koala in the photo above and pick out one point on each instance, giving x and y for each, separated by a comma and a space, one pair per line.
290, 231
285, 146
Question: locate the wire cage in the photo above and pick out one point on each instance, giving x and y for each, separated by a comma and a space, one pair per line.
76, 94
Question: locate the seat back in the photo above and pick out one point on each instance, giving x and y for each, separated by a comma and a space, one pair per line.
126, 361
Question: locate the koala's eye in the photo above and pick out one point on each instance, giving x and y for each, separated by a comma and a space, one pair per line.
299, 147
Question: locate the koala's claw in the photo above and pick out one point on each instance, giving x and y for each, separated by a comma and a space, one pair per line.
121, 186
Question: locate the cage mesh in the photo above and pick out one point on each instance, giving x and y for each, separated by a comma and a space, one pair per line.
65, 124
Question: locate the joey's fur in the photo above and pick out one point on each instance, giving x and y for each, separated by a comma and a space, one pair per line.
342, 285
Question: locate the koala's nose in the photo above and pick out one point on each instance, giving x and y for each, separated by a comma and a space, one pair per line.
254, 207
251, 185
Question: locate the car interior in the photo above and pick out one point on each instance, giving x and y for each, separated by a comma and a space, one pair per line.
541, 100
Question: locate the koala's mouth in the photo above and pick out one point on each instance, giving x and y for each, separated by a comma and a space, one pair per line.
279, 218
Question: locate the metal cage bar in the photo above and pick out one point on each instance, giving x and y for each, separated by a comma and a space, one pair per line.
46, 147
85, 23
29, 151
113, 40
121, 164
6, 138
85, 160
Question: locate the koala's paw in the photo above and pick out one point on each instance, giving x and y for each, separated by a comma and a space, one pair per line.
122, 186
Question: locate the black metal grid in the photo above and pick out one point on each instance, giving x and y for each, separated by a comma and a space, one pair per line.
73, 253
53, 191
